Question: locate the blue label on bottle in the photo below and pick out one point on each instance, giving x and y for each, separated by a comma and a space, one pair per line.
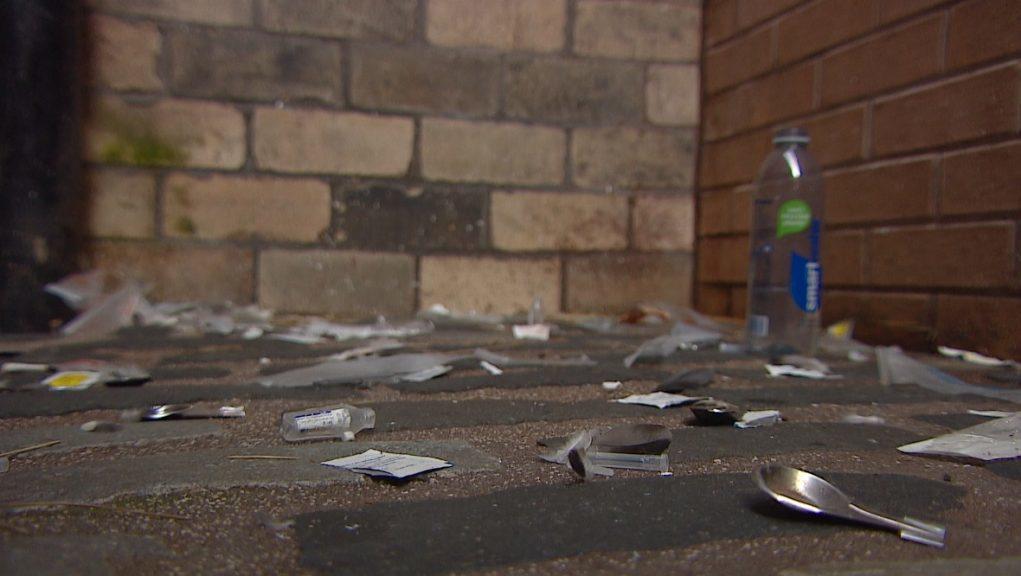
806, 274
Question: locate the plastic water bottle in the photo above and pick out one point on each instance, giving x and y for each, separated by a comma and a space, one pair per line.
339, 421
785, 274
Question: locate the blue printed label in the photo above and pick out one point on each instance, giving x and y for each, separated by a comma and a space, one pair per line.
806, 274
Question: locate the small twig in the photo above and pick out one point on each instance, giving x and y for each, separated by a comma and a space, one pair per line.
260, 457
30, 448
62, 503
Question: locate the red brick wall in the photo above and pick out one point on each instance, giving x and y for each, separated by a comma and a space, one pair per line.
355, 157
914, 111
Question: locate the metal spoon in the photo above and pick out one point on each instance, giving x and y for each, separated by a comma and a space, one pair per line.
807, 492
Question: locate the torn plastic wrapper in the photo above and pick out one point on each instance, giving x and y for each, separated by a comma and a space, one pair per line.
660, 399
896, 367
381, 329
804, 362
440, 315
427, 374
994, 440
372, 347
973, 357
632, 447
388, 465
109, 374
681, 336
859, 419
368, 368
531, 332
787, 370
504, 361
492, 369
80, 290
181, 411
107, 315
837, 339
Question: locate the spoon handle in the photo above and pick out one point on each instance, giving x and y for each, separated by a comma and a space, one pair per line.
909, 528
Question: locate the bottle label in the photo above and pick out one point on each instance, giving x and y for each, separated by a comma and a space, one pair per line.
792, 217
340, 418
806, 275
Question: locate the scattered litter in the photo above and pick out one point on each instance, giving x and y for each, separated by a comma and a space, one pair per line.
589, 453
712, 412
805, 492
297, 338
859, 419
181, 411
994, 440
78, 290
338, 421
107, 315
252, 333
260, 457
100, 426
440, 315
531, 331
682, 335
991, 413
368, 368
504, 361
857, 356
660, 399
109, 374
758, 418
579, 463
388, 465
370, 348
319, 328
804, 362
489, 367
973, 357
72, 380
611, 385
423, 375
837, 340
687, 380
896, 367
788, 370
24, 367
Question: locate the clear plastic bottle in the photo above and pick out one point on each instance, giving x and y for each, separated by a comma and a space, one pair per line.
785, 272
338, 421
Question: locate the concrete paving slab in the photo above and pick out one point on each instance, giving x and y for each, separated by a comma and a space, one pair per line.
164, 473
1010, 566
134, 433
164, 373
518, 378
87, 555
952, 421
427, 414
544, 522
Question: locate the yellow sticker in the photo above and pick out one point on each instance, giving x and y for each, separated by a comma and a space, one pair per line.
71, 380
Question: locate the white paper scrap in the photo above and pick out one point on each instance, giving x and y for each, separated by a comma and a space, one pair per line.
972, 357
387, 464
531, 331
993, 440
859, 419
491, 368
757, 418
787, 370
660, 399
991, 413
611, 385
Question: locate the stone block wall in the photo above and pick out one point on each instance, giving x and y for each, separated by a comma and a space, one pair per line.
355, 157
913, 108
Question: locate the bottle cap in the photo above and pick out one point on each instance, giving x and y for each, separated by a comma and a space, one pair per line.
791, 136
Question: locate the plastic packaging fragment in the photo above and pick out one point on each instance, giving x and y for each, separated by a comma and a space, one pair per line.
181, 411
994, 440
78, 291
973, 357
896, 367
370, 348
504, 361
336, 421
681, 336
72, 380
837, 339
387, 464
589, 453
804, 362
859, 419
578, 462
686, 380
581, 439
441, 315
531, 332
611, 385
109, 374
100, 426
660, 399
358, 370
24, 367
427, 374
787, 370
991, 413
107, 315
317, 327
489, 367
758, 418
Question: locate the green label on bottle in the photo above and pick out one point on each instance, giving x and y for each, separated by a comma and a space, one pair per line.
793, 216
